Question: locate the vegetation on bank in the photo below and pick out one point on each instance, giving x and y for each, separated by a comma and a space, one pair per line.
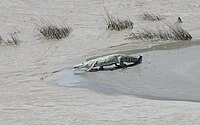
114, 23
170, 32
12, 40
52, 31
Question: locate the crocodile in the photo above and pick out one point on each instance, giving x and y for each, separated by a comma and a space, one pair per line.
109, 60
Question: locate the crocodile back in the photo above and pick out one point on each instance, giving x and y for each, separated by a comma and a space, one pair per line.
107, 60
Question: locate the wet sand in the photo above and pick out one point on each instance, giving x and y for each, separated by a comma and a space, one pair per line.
29, 97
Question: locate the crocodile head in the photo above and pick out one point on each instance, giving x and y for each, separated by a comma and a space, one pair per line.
78, 66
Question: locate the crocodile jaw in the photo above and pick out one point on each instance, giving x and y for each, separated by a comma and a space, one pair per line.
77, 66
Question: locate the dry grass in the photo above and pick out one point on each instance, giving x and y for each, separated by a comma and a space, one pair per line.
175, 32
151, 17
117, 24
12, 40
51, 31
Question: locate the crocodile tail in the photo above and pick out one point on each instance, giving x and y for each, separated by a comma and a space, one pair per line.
132, 59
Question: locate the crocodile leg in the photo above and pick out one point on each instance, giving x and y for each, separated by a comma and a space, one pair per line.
101, 68
121, 62
117, 65
92, 66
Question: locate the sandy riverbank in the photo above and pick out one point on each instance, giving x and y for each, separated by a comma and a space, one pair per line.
28, 97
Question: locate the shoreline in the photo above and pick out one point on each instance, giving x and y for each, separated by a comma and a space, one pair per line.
174, 79
126, 49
